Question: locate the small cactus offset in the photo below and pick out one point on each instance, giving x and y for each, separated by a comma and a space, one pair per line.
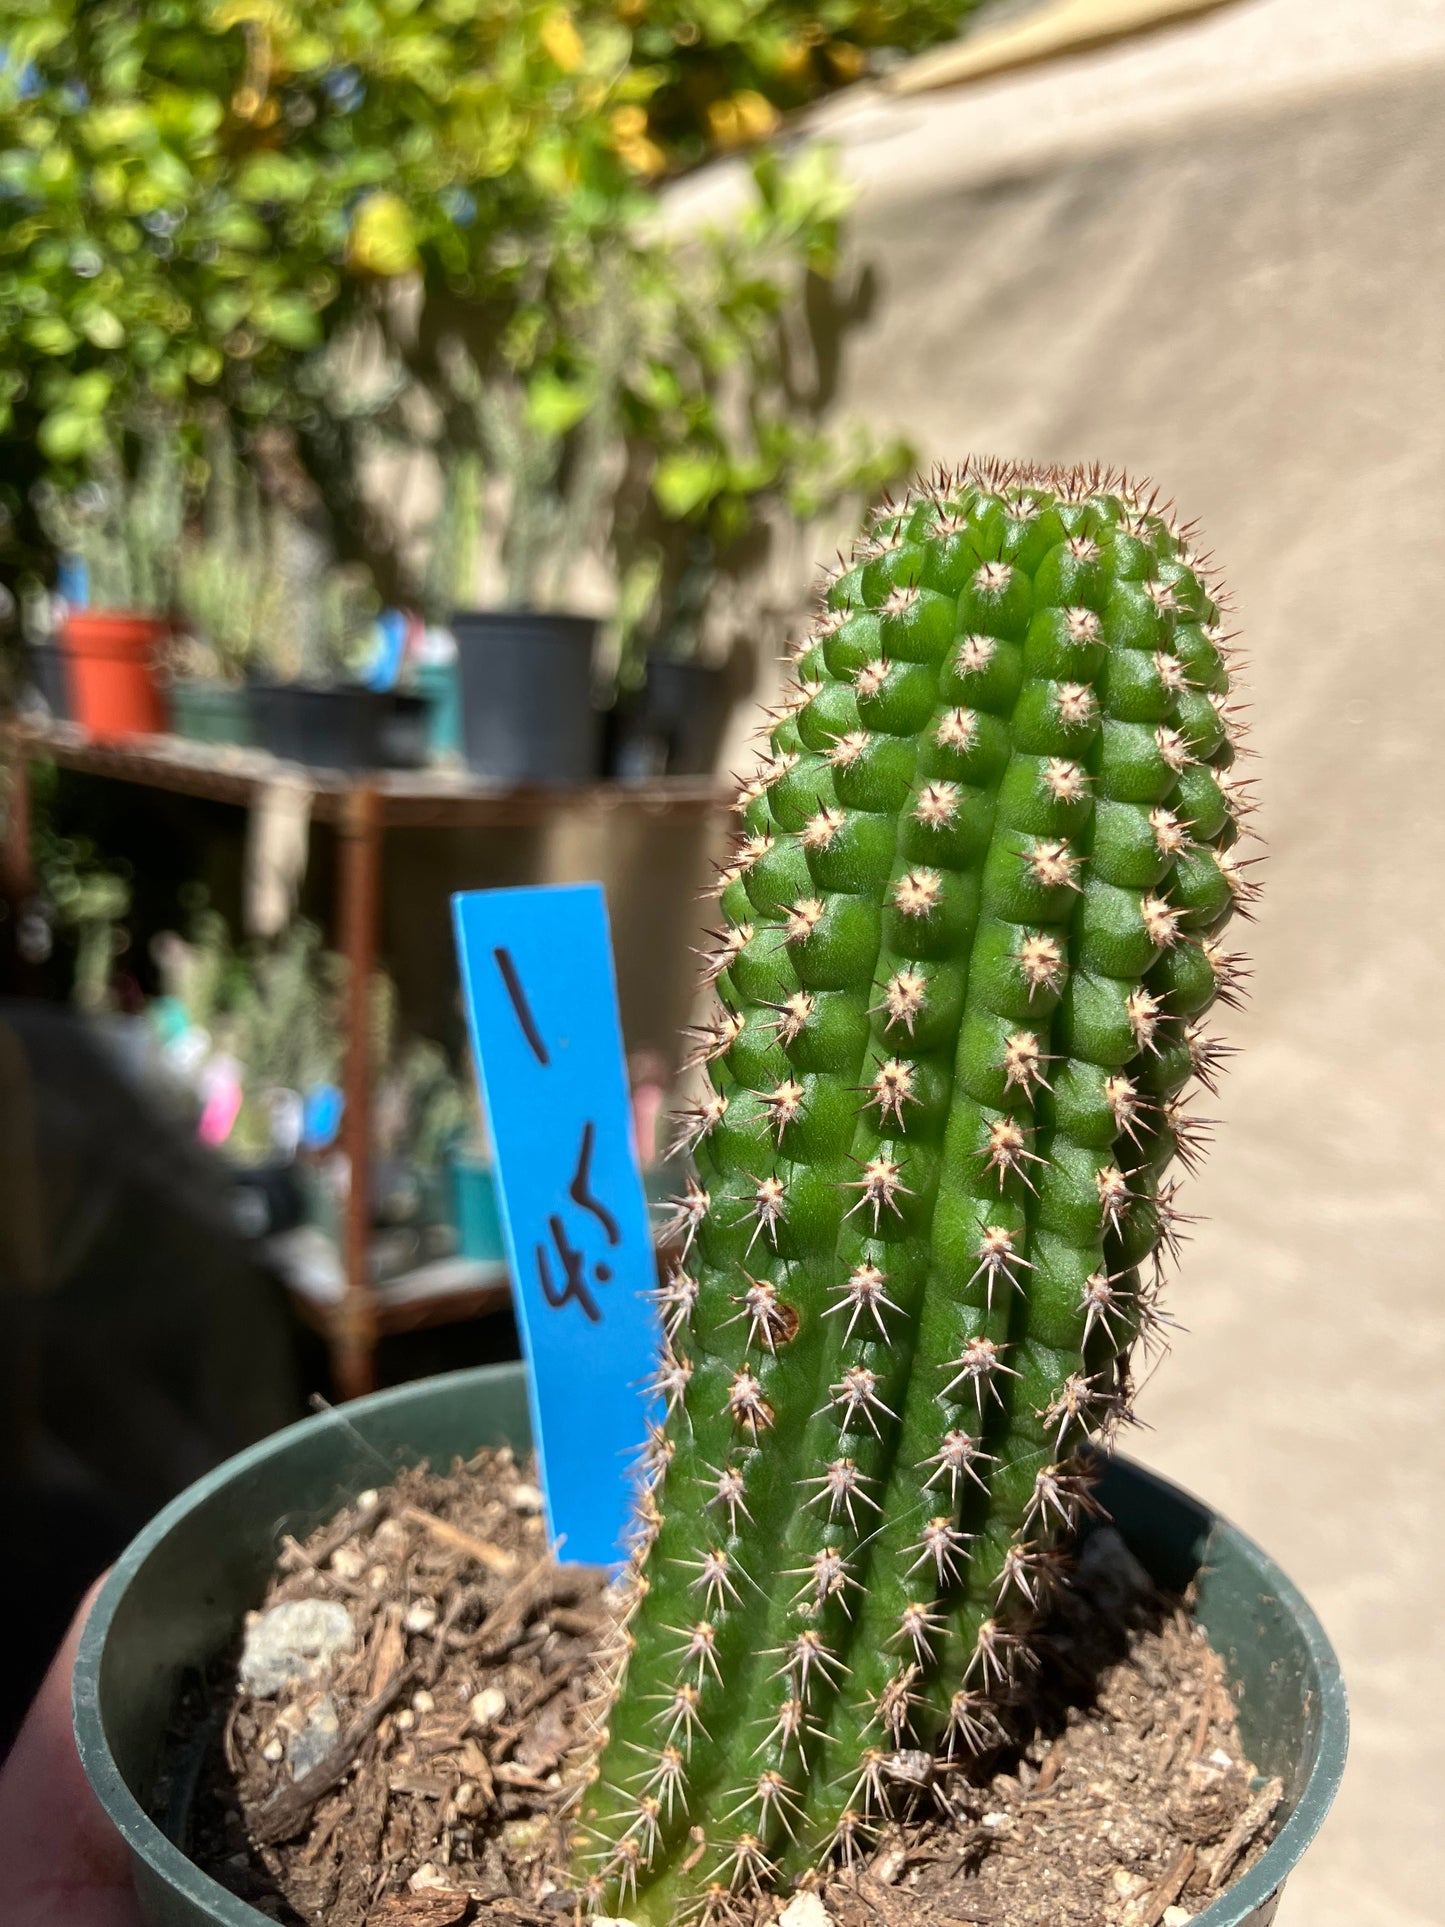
968, 937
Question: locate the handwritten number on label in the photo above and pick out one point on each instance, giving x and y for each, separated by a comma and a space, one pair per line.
580, 1190
575, 1289
574, 1270
523, 1009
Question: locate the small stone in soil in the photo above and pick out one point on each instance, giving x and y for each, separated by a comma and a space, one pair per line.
805, 1910
486, 1708
316, 1738
294, 1641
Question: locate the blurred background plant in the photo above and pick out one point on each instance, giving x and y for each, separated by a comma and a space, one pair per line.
653, 406
273, 1014
725, 450
76, 922
324, 219
230, 585
283, 1025
121, 532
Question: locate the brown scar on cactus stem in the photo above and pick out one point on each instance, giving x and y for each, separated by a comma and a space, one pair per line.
969, 935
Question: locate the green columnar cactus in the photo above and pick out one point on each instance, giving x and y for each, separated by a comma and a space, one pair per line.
967, 940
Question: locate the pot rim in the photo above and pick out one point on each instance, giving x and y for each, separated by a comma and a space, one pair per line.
148, 1843
536, 623
88, 613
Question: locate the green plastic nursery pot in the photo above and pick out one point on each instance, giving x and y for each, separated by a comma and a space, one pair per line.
175, 1599
211, 712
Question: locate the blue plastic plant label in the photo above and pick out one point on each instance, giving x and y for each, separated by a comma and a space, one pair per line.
541, 998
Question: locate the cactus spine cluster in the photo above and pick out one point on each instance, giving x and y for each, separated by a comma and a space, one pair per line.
967, 939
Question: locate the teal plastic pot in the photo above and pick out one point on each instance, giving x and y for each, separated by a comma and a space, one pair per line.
476, 1212
440, 685
211, 712
176, 1597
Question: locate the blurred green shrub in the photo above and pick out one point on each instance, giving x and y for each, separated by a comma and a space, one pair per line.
206, 199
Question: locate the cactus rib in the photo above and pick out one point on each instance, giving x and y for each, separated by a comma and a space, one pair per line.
968, 935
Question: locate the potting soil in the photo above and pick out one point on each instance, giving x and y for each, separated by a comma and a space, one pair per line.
390, 1749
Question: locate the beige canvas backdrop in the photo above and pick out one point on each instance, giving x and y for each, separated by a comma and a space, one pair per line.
1218, 255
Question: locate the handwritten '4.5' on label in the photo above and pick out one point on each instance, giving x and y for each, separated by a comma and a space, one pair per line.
542, 1006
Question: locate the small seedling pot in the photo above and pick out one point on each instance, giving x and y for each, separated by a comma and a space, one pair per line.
526, 678
176, 1597
114, 663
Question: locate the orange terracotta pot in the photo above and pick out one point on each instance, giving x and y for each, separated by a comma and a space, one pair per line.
114, 662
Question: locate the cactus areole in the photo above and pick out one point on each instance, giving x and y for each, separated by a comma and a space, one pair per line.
966, 941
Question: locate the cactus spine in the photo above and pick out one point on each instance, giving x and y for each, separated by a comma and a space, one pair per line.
968, 936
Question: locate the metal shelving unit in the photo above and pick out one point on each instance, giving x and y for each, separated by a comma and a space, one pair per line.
355, 1305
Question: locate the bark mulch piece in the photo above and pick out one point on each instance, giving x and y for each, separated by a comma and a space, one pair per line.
416, 1778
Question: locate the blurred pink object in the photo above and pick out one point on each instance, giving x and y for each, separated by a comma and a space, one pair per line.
222, 1106
648, 1075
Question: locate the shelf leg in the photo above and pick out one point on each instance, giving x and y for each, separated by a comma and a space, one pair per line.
15, 856
354, 1333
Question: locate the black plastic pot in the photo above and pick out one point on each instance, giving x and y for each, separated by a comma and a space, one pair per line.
266, 1199
527, 714
176, 1597
49, 674
673, 726
343, 727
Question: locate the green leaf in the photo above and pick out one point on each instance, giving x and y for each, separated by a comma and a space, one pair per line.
238, 227
288, 319
683, 484
658, 385
90, 392
554, 404
273, 177
226, 308
117, 123
66, 434
101, 328
50, 334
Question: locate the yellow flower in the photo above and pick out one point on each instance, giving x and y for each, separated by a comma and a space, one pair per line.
757, 117
722, 120
563, 42
644, 157
743, 118
382, 240
846, 61
628, 124
794, 59
271, 16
